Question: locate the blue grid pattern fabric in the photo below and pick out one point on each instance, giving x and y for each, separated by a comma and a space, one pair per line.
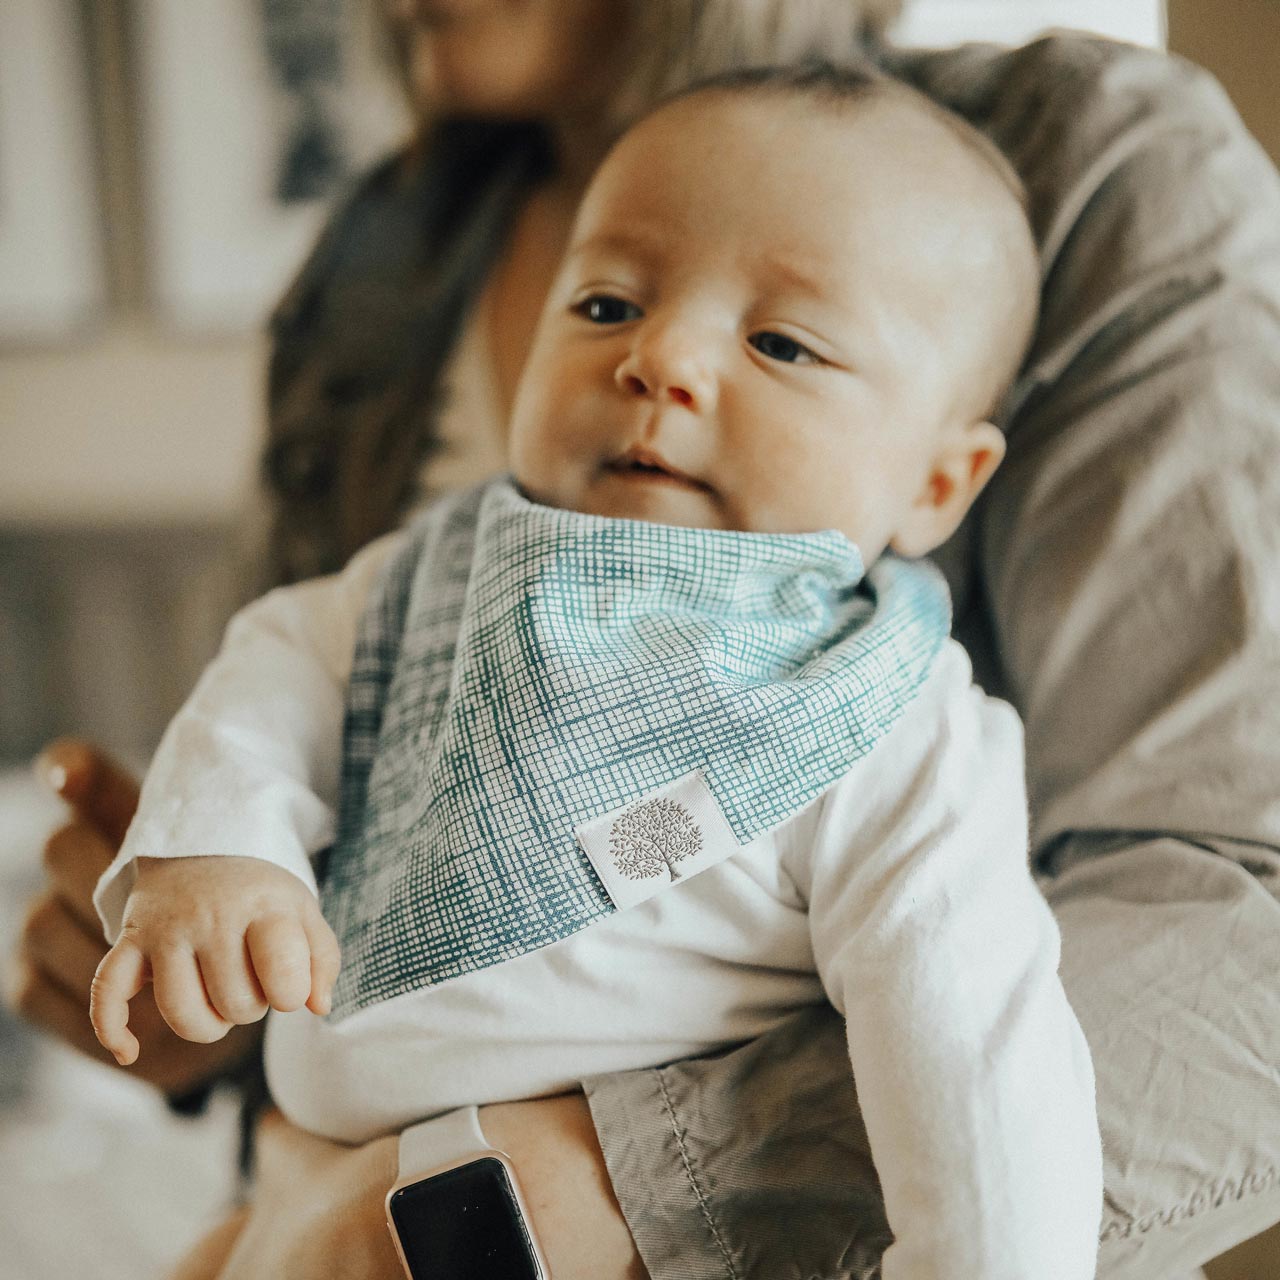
521, 669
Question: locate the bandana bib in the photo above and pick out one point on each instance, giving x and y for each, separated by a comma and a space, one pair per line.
553, 715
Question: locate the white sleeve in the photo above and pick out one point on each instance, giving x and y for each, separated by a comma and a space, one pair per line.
250, 764
973, 1076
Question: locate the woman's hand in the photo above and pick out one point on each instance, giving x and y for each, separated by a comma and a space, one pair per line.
318, 1208
61, 943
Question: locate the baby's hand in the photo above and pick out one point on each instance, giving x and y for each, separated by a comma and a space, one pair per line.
222, 939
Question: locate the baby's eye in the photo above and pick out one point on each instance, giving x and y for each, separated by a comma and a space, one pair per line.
777, 346
603, 308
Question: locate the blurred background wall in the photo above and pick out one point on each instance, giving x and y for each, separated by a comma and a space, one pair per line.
1239, 42
187, 154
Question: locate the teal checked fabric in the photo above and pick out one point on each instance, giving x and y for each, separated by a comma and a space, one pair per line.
521, 670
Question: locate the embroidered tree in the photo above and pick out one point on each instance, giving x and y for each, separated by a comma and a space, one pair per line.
652, 837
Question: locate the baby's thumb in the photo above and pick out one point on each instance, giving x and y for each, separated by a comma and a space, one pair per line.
120, 976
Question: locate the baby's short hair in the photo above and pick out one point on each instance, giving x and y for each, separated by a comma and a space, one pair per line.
833, 85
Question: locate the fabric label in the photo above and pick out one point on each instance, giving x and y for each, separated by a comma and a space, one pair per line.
659, 840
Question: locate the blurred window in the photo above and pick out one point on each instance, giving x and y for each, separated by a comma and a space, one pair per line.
943, 22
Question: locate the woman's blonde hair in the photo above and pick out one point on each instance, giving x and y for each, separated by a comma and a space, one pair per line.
675, 43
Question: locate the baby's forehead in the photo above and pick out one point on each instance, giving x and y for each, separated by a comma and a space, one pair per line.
836, 186
885, 150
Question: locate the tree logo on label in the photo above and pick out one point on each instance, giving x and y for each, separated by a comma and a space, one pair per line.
653, 837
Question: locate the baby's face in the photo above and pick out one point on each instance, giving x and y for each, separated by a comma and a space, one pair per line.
755, 327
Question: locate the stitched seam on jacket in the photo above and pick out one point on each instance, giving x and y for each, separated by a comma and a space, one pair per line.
693, 1181
1211, 1197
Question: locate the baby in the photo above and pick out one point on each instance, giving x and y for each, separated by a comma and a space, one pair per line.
653, 744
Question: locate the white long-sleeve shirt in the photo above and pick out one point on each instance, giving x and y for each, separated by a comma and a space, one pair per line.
902, 894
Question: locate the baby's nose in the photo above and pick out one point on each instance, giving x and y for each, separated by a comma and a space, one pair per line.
668, 366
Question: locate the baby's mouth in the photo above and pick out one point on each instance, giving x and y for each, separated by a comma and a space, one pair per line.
646, 466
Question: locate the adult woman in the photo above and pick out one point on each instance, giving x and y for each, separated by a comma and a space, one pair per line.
1118, 528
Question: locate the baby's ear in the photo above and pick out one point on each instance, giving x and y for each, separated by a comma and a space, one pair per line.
959, 470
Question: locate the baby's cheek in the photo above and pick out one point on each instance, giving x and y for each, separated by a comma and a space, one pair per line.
551, 459
537, 436
789, 483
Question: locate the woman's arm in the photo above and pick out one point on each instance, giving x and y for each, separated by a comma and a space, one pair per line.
318, 1208
1130, 564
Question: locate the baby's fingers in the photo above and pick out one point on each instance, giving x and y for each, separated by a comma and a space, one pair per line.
230, 981
182, 999
282, 960
119, 978
325, 962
